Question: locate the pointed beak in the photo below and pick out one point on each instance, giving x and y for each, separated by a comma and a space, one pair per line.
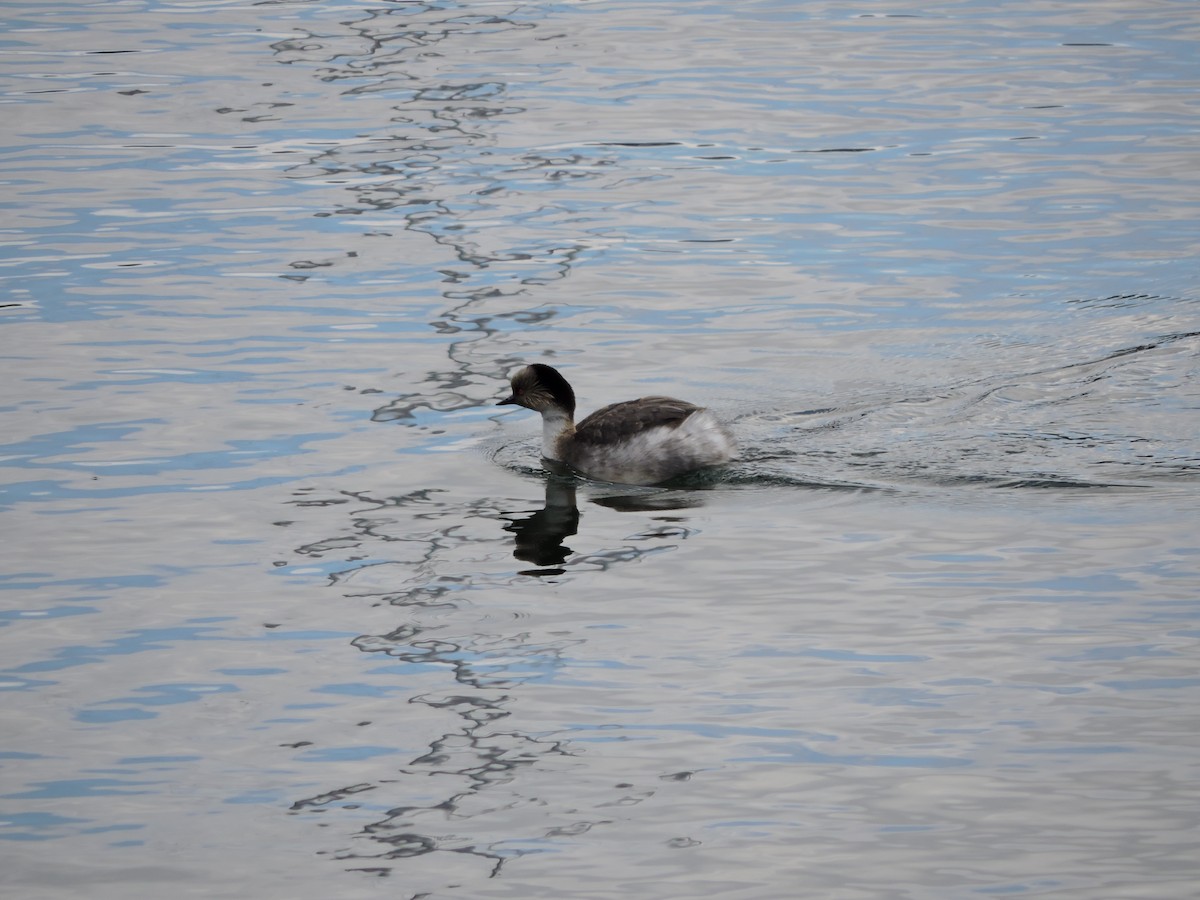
507, 400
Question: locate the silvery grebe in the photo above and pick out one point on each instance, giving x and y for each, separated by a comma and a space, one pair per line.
641, 441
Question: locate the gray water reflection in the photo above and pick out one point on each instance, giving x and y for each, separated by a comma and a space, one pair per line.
488, 669
944, 677
270, 549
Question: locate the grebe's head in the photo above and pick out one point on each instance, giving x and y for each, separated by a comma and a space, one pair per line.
541, 388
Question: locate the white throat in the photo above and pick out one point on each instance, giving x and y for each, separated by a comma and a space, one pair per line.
556, 425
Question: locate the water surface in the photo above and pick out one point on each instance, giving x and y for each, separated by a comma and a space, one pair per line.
293, 610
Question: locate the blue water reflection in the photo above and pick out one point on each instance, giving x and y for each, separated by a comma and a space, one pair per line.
937, 266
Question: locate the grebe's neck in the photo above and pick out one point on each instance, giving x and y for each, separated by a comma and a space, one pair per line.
557, 425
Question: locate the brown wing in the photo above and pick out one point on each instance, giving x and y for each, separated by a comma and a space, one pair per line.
631, 417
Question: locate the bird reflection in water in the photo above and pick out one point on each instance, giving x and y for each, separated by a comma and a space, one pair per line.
540, 535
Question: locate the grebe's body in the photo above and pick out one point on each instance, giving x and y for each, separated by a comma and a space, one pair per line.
642, 441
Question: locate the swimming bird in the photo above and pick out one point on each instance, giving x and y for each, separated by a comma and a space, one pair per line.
644, 441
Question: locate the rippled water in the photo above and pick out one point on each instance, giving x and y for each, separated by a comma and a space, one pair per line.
293, 610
